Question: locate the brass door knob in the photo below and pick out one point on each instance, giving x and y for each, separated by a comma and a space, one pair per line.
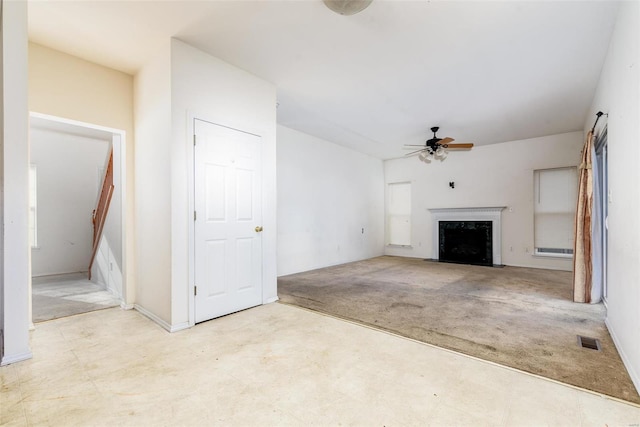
258, 229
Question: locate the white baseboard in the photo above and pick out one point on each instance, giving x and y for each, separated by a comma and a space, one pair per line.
126, 306
166, 326
8, 360
625, 359
180, 327
270, 300
536, 267
153, 317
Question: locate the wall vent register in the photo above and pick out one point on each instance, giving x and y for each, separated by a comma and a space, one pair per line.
589, 343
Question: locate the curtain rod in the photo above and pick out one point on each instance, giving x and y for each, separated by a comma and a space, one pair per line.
598, 115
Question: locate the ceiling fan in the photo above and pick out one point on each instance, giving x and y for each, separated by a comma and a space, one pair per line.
435, 148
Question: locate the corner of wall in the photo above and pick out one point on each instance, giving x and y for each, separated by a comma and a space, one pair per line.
152, 165
15, 159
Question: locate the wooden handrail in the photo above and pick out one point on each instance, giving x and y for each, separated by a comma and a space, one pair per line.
99, 215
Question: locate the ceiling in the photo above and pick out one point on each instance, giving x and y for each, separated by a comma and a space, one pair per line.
484, 71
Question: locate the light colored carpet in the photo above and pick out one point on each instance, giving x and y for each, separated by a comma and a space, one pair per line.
518, 317
65, 295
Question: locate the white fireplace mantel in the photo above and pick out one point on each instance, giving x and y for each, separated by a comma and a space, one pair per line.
493, 214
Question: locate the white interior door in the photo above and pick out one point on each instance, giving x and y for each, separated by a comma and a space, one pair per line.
228, 220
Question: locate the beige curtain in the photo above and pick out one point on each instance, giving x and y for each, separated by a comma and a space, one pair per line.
582, 245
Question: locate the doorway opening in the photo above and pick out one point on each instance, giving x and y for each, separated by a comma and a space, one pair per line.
69, 161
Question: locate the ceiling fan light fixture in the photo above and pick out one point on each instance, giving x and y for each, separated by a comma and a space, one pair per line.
425, 157
347, 7
436, 148
441, 153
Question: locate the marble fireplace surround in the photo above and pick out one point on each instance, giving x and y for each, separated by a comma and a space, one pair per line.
493, 214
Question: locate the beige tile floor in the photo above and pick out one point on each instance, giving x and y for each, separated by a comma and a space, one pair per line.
273, 365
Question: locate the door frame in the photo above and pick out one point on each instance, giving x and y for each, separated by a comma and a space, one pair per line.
601, 149
191, 118
119, 138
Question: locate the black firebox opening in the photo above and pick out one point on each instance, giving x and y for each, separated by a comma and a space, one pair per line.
466, 242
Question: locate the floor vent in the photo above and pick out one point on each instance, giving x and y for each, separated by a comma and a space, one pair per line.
589, 343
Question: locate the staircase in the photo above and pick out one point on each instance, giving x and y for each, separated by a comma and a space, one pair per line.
99, 215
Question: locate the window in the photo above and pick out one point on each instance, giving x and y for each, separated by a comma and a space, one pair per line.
555, 193
33, 206
399, 214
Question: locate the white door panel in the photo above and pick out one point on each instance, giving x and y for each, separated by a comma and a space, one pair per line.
228, 249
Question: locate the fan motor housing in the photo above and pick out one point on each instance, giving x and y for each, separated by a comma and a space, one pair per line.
433, 143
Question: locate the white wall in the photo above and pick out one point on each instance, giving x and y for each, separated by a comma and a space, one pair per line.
65, 86
207, 88
152, 87
179, 84
68, 175
326, 195
14, 190
487, 176
618, 94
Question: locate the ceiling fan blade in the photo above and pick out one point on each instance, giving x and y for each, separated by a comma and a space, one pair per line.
462, 145
446, 140
409, 145
414, 152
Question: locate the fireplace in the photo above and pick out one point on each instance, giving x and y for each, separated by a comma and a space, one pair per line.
467, 235
466, 242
